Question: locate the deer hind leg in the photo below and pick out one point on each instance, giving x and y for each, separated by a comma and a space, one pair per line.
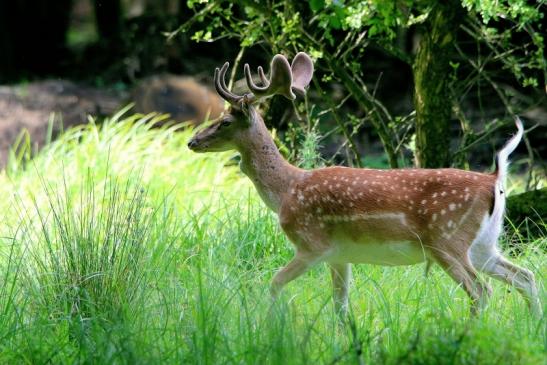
341, 276
498, 267
485, 256
462, 272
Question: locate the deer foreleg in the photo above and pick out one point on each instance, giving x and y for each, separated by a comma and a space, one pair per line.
296, 267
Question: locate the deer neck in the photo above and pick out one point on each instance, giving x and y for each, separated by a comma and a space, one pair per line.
262, 162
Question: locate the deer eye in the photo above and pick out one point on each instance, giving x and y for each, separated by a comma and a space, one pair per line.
225, 123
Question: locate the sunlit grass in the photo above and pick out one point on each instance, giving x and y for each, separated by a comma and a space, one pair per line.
118, 245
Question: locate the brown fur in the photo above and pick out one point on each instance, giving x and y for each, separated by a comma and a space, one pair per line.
420, 194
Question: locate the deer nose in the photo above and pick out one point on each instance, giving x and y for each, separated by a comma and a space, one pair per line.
193, 143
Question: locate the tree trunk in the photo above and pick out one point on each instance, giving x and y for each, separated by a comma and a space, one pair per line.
431, 94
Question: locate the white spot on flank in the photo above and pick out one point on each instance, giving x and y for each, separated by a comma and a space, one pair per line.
424, 201
397, 216
443, 193
443, 212
434, 217
453, 191
466, 190
449, 224
475, 177
466, 198
452, 206
434, 195
435, 202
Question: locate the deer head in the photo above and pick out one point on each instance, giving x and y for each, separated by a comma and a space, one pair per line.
286, 80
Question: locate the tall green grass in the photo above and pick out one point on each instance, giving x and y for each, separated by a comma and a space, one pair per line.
120, 246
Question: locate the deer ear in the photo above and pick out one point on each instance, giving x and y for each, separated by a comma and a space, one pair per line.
302, 72
281, 77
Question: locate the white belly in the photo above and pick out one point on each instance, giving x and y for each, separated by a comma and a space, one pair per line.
385, 253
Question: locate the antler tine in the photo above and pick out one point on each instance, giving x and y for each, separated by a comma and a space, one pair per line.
263, 78
223, 71
280, 79
257, 90
220, 85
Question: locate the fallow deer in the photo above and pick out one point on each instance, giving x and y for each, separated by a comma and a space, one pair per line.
343, 216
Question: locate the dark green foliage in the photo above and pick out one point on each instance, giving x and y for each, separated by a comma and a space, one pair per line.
470, 61
527, 212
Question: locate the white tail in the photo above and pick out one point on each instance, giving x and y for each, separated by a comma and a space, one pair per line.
502, 162
343, 215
